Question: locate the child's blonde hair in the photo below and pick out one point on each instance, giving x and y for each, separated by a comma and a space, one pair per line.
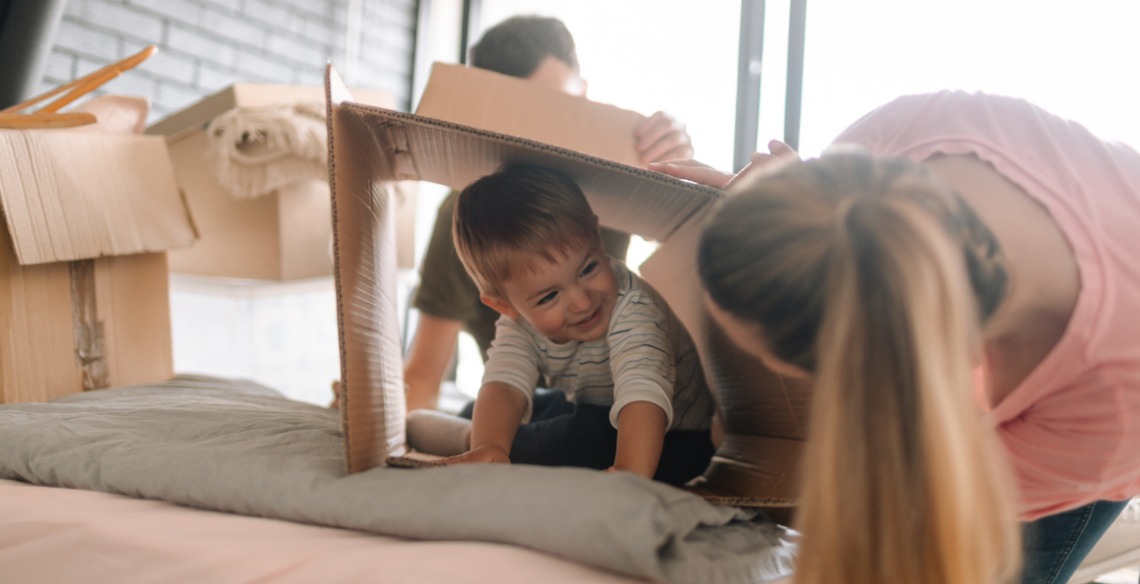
876, 278
506, 220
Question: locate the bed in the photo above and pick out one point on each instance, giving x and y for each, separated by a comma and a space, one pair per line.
220, 480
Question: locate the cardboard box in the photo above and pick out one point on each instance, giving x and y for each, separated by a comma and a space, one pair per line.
84, 297
516, 107
765, 415
284, 235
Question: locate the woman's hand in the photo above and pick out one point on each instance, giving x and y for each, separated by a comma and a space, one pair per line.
661, 137
695, 171
778, 154
480, 454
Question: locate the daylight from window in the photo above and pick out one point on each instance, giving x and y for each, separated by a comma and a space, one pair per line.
1075, 59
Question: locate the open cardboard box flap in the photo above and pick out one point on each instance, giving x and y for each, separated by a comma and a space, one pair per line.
95, 195
371, 147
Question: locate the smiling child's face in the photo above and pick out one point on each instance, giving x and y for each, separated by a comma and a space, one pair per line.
570, 299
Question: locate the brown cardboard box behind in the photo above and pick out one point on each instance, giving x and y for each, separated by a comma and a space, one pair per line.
765, 415
285, 235
83, 279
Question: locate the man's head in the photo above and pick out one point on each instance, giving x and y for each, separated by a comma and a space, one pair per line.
531, 47
530, 241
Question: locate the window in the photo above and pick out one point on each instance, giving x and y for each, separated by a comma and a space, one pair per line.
647, 56
1075, 59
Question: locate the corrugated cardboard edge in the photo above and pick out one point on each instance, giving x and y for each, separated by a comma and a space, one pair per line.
94, 195
195, 116
610, 186
413, 459
372, 390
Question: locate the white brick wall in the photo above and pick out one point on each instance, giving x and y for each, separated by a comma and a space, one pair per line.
205, 45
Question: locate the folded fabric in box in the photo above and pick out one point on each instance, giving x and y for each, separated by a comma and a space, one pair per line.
257, 150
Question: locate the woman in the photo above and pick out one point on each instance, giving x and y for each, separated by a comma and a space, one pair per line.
975, 251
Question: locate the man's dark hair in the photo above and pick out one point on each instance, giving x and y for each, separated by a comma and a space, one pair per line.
518, 45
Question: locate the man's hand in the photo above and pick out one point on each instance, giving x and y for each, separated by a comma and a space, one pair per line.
480, 454
661, 137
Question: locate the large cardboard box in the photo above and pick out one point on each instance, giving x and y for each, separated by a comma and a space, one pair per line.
283, 235
765, 416
84, 297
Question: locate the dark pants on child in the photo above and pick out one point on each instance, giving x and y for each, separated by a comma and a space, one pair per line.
564, 434
1056, 545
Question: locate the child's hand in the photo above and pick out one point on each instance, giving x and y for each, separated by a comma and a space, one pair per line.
480, 454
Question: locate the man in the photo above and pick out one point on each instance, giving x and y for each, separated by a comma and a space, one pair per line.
541, 50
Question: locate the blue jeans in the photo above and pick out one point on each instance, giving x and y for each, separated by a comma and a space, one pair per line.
1054, 546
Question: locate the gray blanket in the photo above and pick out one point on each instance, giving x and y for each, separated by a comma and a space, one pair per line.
242, 448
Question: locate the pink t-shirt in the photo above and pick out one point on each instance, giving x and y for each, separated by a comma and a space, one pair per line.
1072, 428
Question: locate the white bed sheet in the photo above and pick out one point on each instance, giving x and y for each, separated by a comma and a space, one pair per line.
55, 535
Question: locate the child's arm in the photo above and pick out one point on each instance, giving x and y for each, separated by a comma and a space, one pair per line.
640, 437
498, 411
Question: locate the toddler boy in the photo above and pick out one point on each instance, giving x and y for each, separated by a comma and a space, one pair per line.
580, 322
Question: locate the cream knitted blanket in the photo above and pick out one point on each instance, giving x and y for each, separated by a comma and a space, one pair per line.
255, 151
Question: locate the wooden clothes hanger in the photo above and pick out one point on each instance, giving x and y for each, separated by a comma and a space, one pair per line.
49, 117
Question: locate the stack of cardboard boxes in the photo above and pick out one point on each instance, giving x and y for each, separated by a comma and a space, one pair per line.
95, 223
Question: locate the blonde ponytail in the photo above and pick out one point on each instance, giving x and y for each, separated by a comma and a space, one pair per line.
903, 480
